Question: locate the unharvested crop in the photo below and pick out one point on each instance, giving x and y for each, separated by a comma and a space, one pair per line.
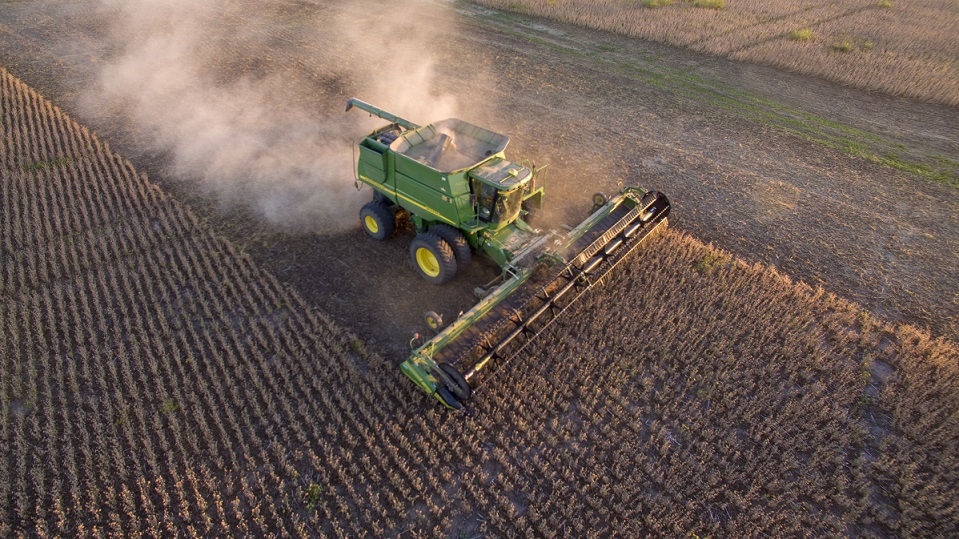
155, 382
914, 49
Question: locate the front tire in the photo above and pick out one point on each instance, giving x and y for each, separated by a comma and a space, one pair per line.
378, 221
381, 198
456, 240
433, 258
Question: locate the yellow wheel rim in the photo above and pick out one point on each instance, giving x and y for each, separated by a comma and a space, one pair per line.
371, 224
427, 262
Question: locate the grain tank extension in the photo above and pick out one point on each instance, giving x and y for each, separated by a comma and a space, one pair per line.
452, 180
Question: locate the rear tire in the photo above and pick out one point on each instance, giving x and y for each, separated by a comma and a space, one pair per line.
456, 240
378, 221
433, 258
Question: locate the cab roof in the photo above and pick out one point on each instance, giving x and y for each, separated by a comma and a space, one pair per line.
502, 173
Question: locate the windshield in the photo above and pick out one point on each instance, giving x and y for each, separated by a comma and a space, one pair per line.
508, 205
494, 206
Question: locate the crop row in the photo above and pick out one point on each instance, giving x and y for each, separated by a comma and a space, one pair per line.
156, 383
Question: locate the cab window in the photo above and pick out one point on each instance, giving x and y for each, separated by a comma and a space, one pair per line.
508, 205
485, 200
495, 206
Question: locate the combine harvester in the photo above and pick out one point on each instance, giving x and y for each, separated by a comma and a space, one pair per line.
462, 195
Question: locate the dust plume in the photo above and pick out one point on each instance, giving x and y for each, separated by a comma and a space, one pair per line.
247, 98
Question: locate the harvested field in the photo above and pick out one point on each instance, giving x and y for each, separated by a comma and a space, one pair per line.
156, 382
834, 186
892, 46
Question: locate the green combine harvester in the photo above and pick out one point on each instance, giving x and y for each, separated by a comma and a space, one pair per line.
462, 195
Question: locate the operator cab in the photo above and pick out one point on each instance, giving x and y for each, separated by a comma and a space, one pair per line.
498, 187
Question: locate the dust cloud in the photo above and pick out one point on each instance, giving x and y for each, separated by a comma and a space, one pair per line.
247, 98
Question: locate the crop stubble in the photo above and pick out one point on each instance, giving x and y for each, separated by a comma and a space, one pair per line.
754, 175
897, 47
156, 383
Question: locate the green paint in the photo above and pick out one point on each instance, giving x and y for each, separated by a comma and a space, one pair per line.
453, 173
420, 366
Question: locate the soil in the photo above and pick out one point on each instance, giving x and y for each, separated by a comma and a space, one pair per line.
747, 154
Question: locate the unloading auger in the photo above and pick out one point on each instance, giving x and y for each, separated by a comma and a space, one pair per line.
462, 195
